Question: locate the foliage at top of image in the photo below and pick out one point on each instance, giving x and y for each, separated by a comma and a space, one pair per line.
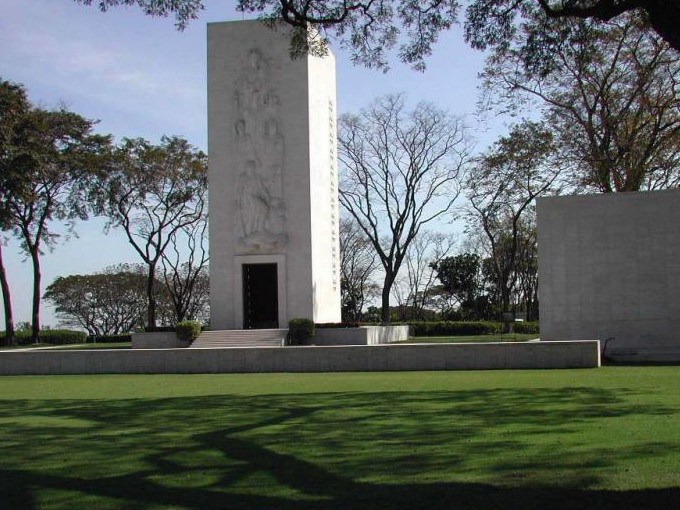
372, 30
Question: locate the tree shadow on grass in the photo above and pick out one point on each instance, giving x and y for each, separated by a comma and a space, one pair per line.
319, 451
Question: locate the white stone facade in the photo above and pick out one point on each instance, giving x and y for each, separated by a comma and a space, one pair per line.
609, 267
272, 173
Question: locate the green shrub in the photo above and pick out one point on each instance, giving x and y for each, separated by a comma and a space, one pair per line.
52, 336
188, 330
22, 337
526, 327
299, 331
159, 329
450, 328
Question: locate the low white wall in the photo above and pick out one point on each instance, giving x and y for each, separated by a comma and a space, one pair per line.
608, 268
364, 335
386, 334
643, 355
575, 354
157, 340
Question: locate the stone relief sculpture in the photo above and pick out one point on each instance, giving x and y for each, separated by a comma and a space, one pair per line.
259, 156
254, 201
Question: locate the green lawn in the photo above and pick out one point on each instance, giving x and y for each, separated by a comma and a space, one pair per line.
512, 337
555, 439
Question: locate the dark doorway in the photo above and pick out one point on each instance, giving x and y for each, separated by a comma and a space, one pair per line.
260, 296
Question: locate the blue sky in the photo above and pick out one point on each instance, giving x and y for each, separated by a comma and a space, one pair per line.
141, 77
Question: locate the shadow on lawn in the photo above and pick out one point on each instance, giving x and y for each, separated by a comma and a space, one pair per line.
312, 451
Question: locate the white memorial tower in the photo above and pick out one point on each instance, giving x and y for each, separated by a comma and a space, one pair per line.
274, 251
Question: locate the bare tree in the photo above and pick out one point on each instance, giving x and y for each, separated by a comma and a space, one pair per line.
185, 268
423, 255
502, 187
399, 172
358, 264
153, 193
610, 95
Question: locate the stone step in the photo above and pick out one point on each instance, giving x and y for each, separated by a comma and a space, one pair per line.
223, 339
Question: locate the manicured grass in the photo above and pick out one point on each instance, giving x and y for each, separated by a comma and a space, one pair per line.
556, 439
512, 337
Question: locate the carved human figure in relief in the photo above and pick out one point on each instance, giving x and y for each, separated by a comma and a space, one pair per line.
259, 154
254, 200
272, 144
261, 214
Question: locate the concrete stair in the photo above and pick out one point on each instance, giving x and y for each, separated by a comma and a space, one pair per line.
228, 338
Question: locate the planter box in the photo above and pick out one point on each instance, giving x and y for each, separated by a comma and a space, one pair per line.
164, 340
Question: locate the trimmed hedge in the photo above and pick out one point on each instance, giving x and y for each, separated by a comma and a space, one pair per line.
63, 337
299, 331
188, 330
338, 325
109, 339
51, 336
159, 329
451, 328
526, 327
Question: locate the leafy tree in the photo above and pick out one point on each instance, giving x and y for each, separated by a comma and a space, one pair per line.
399, 172
460, 277
107, 303
9, 337
610, 96
502, 187
372, 29
154, 192
372, 314
491, 23
52, 156
357, 267
14, 106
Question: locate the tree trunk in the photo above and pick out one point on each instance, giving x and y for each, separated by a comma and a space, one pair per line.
387, 289
505, 307
35, 314
151, 297
10, 338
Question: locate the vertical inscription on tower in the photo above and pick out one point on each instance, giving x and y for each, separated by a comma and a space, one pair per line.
333, 178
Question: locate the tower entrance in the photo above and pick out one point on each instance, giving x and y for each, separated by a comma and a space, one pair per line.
260, 296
